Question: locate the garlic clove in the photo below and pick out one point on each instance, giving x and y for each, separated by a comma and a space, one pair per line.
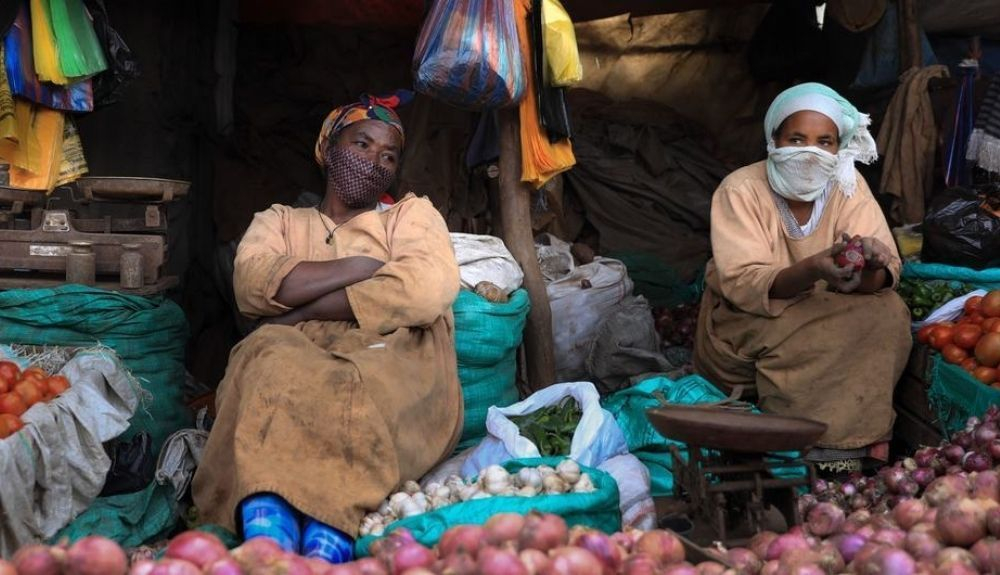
410, 508
384, 508
529, 477
527, 491
432, 487
545, 470
467, 492
410, 487
569, 470
420, 499
442, 492
554, 484
397, 501
584, 484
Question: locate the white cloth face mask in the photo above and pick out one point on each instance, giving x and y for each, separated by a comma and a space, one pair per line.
800, 173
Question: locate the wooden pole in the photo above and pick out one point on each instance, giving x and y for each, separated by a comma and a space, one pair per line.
910, 53
515, 209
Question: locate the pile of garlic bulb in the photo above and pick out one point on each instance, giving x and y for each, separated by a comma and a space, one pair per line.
493, 481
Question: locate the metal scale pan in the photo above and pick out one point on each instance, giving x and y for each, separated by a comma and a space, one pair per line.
731, 430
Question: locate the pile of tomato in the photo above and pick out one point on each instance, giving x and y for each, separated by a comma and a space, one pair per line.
19, 390
973, 341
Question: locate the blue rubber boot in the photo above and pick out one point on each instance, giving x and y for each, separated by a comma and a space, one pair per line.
325, 542
268, 515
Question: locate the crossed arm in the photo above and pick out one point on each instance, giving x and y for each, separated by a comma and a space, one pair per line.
315, 290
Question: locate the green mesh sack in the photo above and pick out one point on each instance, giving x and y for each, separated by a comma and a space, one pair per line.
986, 279
652, 449
955, 396
658, 281
597, 509
486, 339
147, 333
130, 519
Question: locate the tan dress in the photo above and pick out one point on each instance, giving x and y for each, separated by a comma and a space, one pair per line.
333, 416
826, 356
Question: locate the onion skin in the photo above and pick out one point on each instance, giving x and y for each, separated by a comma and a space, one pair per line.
745, 561
891, 562
946, 488
922, 546
825, 519
458, 563
601, 545
568, 561
503, 527
370, 566
543, 532
410, 555
993, 521
759, 543
890, 536
908, 513
534, 561
986, 485
37, 560
663, 546
957, 555
142, 567
961, 522
495, 561
848, 545
681, 568
640, 564
95, 555
174, 567
196, 547
223, 566
465, 538
710, 568
264, 551
784, 543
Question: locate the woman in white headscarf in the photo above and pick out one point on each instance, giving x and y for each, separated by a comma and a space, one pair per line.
818, 340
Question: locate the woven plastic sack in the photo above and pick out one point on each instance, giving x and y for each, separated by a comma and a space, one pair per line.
54, 468
629, 408
485, 258
986, 279
147, 334
955, 396
597, 509
562, 56
467, 54
130, 519
487, 336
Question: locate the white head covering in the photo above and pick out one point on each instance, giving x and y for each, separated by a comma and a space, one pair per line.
856, 143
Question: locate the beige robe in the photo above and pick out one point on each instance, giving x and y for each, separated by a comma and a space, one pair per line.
826, 356
333, 416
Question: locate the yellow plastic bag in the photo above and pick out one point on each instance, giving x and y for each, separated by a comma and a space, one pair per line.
561, 53
43, 44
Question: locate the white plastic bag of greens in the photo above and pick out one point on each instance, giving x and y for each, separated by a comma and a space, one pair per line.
485, 258
948, 311
596, 438
54, 468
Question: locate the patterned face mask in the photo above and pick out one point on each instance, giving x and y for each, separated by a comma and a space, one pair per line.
357, 181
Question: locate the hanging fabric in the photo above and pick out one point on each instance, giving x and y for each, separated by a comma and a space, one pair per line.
956, 171
43, 43
80, 52
907, 139
24, 82
984, 143
7, 124
540, 158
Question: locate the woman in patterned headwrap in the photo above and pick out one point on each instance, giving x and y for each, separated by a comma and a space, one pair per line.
817, 339
350, 387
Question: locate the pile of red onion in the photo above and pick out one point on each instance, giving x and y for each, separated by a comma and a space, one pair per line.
677, 325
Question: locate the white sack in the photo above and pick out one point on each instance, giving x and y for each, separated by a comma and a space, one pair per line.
486, 258
55, 467
635, 501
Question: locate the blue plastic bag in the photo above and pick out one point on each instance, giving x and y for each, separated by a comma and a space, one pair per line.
468, 54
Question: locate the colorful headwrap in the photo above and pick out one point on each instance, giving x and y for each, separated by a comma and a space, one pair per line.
381, 108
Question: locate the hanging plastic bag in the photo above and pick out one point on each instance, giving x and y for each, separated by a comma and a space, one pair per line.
44, 44
597, 437
467, 54
122, 65
24, 82
561, 52
960, 231
80, 53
